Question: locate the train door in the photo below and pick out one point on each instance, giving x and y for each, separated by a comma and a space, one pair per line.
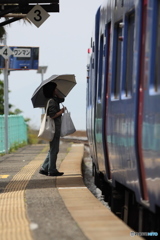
140, 102
94, 90
99, 113
105, 100
88, 98
151, 111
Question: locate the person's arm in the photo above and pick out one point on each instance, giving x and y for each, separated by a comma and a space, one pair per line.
59, 113
53, 110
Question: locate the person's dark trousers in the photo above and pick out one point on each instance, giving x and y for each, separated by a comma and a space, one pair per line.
49, 164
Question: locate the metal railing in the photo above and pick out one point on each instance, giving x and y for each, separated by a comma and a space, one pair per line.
17, 131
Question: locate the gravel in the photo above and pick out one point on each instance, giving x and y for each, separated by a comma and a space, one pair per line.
89, 179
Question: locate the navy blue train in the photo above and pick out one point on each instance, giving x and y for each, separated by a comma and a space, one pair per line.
123, 109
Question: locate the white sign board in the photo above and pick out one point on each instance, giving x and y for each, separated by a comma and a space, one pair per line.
22, 52
6, 52
37, 15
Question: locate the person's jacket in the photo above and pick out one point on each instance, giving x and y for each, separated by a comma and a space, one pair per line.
54, 107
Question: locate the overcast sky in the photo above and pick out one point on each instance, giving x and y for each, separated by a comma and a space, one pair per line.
63, 40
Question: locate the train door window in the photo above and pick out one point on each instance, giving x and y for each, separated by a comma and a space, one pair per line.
157, 54
90, 82
116, 61
100, 72
88, 85
107, 50
129, 42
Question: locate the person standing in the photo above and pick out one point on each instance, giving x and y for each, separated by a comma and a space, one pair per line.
49, 166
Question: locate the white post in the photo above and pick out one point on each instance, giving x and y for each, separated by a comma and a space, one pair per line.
42, 70
6, 100
42, 74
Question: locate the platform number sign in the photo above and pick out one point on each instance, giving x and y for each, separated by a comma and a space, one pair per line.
38, 15
5, 52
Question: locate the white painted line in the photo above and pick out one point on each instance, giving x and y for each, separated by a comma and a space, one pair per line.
70, 187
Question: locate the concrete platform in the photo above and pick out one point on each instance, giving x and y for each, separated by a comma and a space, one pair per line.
38, 207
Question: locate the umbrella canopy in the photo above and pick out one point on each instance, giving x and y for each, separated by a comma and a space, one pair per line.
64, 84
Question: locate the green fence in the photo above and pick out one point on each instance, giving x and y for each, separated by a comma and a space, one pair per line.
17, 131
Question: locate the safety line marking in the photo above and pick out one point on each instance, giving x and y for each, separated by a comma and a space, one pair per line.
71, 187
13, 218
4, 176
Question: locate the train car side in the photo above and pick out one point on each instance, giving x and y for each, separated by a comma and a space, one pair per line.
125, 123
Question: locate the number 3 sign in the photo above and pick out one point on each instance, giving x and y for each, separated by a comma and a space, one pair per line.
37, 15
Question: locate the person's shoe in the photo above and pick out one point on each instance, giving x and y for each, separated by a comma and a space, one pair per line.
56, 173
41, 171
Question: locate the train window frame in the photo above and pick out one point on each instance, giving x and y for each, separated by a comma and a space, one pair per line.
100, 68
89, 74
88, 84
154, 85
116, 63
107, 53
93, 47
128, 55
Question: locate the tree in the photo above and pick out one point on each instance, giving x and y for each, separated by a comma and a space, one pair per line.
2, 32
2, 99
15, 112
24, 19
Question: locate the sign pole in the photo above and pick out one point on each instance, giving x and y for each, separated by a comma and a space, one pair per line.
42, 70
6, 101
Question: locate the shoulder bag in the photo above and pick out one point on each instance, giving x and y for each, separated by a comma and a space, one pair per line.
47, 128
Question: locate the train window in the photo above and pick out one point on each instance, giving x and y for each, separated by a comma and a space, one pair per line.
107, 53
127, 84
93, 47
117, 60
89, 77
100, 73
91, 42
122, 3
88, 92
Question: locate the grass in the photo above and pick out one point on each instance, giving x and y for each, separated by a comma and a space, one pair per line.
32, 136
16, 145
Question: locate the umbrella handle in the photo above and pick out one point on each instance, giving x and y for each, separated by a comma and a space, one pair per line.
64, 107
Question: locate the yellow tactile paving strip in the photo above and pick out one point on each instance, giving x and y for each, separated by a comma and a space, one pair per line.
14, 224
4, 176
95, 220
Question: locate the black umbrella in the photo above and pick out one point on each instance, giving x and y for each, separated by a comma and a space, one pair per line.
64, 84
